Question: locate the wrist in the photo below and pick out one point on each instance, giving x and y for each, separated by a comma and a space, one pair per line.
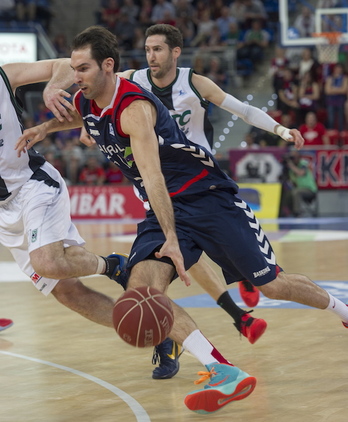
283, 132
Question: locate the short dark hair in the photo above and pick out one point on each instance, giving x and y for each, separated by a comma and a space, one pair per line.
102, 42
173, 36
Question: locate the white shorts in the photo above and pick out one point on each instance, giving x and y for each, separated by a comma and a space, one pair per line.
37, 216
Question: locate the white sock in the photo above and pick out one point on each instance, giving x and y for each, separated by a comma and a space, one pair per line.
101, 266
338, 307
202, 349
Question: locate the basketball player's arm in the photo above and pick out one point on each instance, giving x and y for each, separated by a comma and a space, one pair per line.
37, 133
138, 121
250, 114
57, 71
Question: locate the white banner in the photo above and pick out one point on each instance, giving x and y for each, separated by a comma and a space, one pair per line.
17, 47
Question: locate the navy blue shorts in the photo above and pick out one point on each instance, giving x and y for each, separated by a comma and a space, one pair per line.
221, 225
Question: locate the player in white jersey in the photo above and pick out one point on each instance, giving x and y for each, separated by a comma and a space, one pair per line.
35, 222
187, 96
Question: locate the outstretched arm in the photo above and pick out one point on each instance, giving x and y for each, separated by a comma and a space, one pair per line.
250, 114
37, 133
138, 121
58, 71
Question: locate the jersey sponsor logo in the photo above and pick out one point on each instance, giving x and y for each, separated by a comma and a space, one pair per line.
183, 118
111, 129
35, 278
262, 272
181, 92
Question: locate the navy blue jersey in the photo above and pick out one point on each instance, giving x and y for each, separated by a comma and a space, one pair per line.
187, 168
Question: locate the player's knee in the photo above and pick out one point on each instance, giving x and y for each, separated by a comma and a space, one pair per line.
66, 290
276, 289
47, 268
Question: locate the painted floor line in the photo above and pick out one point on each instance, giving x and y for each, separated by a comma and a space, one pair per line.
139, 412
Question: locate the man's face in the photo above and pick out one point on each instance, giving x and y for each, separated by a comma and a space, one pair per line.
88, 75
158, 55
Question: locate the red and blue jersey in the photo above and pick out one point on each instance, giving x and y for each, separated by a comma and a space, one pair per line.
187, 167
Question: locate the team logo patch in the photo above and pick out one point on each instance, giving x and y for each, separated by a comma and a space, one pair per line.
33, 236
35, 278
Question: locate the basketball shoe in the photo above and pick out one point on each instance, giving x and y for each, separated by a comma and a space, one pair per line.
227, 383
116, 264
251, 328
249, 293
5, 323
167, 354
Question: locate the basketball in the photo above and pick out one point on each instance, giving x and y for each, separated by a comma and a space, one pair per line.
143, 317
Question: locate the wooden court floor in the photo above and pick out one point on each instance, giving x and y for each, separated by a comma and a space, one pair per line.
56, 366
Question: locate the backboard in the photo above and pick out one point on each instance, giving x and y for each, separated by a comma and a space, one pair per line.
299, 19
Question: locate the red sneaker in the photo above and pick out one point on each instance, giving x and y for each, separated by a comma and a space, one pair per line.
5, 323
251, 328
249, 293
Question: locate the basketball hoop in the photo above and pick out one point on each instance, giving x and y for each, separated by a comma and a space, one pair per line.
329, 47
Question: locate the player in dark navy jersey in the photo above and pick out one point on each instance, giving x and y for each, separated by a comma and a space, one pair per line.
186, 191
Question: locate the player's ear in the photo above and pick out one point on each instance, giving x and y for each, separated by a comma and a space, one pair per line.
176, 52
108, 64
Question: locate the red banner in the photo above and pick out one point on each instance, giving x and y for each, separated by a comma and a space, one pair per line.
105, 202
332, 169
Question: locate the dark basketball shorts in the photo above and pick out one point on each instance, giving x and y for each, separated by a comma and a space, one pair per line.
221, 225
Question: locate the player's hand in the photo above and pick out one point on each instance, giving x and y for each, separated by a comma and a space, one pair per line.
56, 100
297, 138
172, 250
29, 138
86, 138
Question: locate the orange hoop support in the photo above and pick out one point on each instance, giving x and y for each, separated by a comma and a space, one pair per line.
332, 37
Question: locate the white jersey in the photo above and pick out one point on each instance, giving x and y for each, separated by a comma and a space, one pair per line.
14, 171
185, 104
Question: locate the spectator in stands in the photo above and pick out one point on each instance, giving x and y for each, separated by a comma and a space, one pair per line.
253, 43
42, 113
216, 72
92, 173
269, 139
112, 173
145, 13
60, 43
138, 38
34, 11
335, 89
278, 64
110, 14
299, 184
215, 38
288, 95
131, 9
314, 132
308, 94
187, 28
204, 29
307, 64
237, 10
249, 142
233, 34
124, 30
73, 159
159, 9
7, 10
305, 22
224, 21
254, 10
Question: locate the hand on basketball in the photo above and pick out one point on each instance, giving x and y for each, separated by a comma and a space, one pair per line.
55, 100
29, 138
172, 250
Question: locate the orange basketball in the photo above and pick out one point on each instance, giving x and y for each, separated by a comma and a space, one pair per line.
143, 317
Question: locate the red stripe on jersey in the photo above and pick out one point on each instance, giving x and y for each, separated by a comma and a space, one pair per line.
190, 182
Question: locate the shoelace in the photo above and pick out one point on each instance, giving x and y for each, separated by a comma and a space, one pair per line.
205, 375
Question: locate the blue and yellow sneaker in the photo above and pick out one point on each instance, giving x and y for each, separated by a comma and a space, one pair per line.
116, 268
167, 354
227, 383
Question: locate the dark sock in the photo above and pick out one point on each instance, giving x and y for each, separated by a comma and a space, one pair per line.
111, 264
227, 304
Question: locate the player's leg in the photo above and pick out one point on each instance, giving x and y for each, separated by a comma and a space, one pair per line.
227, 382
207, 278
89, 303
299, 288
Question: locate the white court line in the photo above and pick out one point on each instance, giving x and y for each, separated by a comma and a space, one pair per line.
137, 409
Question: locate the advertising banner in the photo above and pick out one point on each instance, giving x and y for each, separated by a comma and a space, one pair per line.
105, 202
